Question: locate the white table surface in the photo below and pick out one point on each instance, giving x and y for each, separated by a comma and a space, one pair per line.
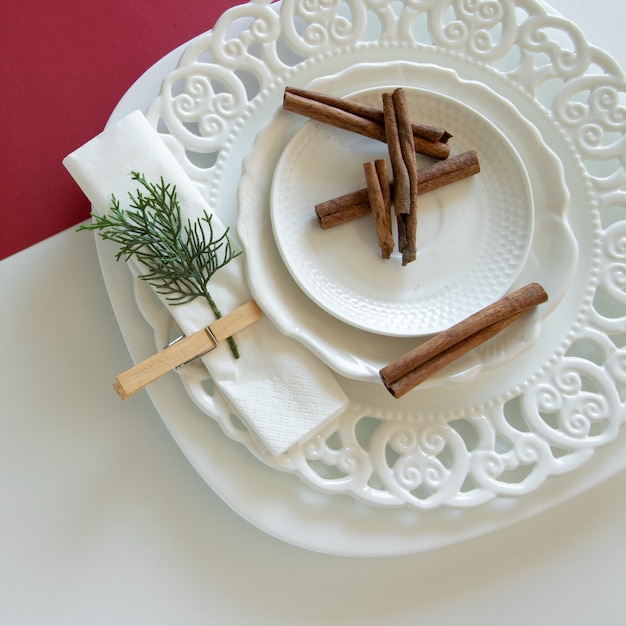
105, 522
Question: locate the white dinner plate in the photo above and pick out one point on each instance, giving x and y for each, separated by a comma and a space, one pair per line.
355, 353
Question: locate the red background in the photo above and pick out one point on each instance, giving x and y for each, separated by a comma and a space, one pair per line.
64, 66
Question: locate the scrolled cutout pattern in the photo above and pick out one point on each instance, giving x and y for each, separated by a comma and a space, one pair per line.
575, 406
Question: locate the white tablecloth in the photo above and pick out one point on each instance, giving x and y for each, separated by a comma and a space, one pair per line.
104, 521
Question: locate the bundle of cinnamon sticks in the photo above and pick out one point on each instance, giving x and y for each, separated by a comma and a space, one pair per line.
356, 204
414, 367
362, 119
384, 198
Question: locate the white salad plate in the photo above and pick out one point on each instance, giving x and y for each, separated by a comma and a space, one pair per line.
472, 239
439, 465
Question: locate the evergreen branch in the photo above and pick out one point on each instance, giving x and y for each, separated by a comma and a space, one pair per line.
180, 259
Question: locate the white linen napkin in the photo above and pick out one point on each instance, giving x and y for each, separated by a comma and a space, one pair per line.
279, 389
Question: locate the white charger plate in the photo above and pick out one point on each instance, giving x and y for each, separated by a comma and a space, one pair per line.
473, 237
284, 506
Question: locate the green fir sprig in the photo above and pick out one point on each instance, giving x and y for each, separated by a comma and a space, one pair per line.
179, 258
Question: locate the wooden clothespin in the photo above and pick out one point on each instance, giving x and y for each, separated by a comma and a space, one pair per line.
186, 349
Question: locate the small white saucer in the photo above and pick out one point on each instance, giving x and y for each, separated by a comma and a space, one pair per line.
473, 236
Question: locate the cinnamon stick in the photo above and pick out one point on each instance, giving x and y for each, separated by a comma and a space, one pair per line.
407, 147
343, 209
420, 130
446, 172
348, 120
402, 195
404, 374
385, 184
355, 204
382, 217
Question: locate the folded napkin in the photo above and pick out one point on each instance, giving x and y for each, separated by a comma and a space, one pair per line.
277, 387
